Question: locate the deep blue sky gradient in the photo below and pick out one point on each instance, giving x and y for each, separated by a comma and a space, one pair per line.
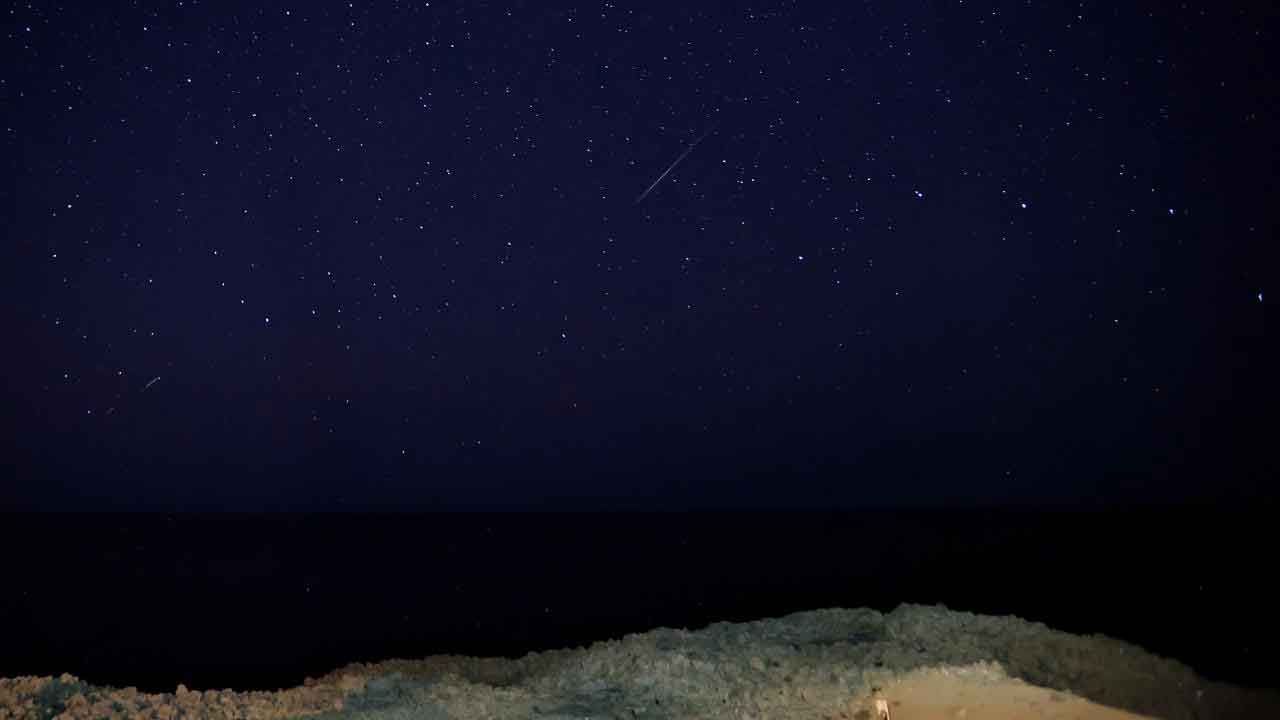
389, 254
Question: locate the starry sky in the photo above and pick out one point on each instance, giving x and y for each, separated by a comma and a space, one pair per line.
542, 255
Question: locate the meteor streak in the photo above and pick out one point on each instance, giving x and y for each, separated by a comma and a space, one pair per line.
686, 152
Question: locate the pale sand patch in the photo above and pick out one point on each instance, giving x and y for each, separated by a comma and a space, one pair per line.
979, 693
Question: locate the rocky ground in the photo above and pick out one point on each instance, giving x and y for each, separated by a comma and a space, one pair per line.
924, 662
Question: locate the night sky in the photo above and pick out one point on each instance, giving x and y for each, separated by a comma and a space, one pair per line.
535, 255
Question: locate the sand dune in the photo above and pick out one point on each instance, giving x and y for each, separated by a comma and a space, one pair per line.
925, 663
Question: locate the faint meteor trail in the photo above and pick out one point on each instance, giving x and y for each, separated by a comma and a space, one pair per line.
687, 150
151, 382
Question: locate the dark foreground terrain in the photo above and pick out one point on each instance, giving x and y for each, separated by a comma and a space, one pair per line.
923, 662
495, 602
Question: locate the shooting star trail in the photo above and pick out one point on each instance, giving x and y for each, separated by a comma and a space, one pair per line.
151, 382
683, 155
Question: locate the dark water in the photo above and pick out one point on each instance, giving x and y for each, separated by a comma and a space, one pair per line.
262, 601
